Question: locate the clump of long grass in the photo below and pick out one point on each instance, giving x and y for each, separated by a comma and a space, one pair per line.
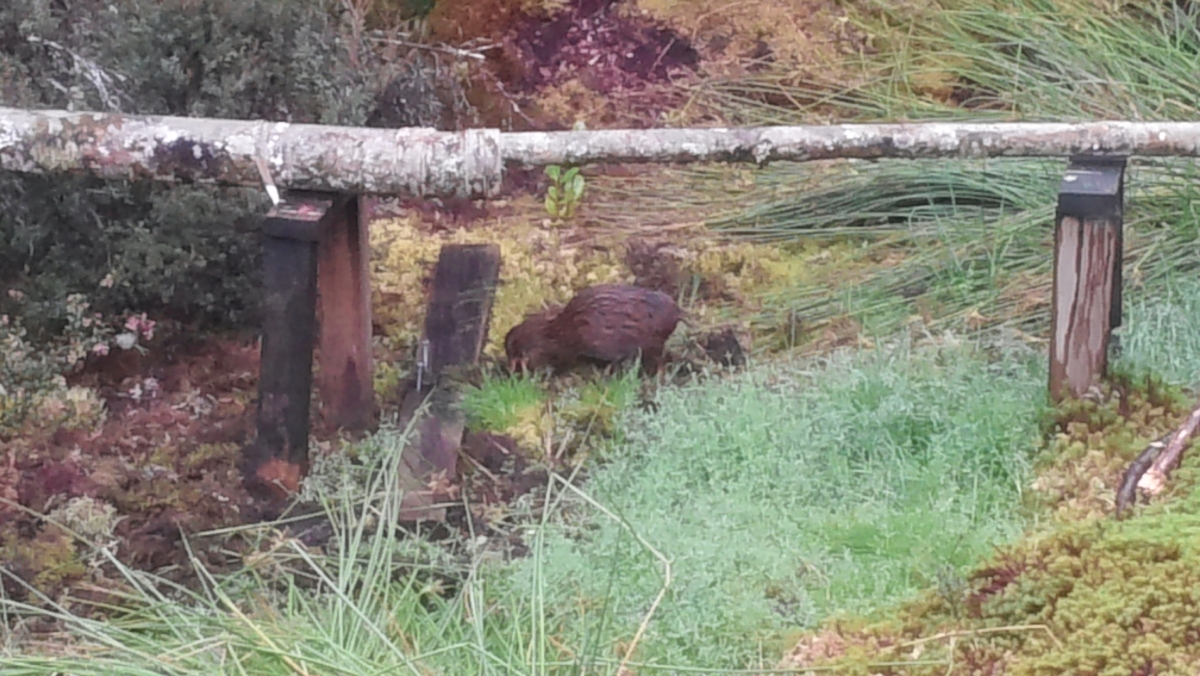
975, 236
366, 603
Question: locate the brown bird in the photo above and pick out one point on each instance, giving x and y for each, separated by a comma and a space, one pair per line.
605, 324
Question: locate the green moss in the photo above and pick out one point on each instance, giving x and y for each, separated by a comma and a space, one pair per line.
720, 281
47, 562
1085, 593
388, 376
595, 404
210, 455
538, 265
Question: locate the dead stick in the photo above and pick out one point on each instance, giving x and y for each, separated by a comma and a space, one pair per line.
1154, 480
1127, 491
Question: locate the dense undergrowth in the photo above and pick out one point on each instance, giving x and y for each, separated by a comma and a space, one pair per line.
789, 497
777, 496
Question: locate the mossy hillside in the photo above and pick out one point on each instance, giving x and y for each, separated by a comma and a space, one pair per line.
1083, 593
538, 265
1097, 597
1093, 441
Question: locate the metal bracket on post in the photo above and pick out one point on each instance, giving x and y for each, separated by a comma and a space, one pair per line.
1088, 243
274, 464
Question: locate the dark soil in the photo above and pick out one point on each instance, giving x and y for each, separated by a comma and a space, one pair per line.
165, 456
590, 40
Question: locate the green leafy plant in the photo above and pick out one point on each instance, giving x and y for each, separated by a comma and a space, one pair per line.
565, 192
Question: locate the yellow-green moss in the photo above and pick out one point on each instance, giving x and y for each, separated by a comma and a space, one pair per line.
211, 455
538, 265
48, 561
1083, 593
1081, 466
595, 405
60, 407
543, 265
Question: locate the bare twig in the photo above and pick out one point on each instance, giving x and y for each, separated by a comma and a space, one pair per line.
453, 51
357, 10
1154, 465
958, 633
100, 78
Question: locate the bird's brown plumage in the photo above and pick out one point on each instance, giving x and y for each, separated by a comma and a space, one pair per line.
603, 324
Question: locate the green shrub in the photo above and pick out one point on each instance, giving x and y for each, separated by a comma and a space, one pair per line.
187, 252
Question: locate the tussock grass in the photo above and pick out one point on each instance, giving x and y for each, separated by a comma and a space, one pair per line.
1162, 334
967, 243
368, 605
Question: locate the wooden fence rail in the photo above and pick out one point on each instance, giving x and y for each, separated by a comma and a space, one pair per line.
315, 237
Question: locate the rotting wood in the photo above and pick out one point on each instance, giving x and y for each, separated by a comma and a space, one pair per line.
460, 304
456, 327
430, 459
1086, 260
275, 462
1153, 467
426, 162
345, 377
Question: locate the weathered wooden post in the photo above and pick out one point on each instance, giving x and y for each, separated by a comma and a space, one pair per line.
456, 327
313, 244
345, 379
278, 458
1086, 304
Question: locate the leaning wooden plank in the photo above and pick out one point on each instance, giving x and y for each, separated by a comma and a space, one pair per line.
456, 326
431, 459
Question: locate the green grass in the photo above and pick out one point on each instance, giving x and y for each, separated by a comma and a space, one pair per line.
501, 403
790, 493
1162, 334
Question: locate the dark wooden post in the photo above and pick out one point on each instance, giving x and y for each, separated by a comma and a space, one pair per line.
1086, 304
460, 304
277, 460
456, 327
345, 379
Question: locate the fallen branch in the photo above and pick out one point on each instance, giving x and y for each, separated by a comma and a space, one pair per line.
425, 162
1153, 466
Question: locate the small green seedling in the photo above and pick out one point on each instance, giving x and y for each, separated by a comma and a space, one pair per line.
565, 193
